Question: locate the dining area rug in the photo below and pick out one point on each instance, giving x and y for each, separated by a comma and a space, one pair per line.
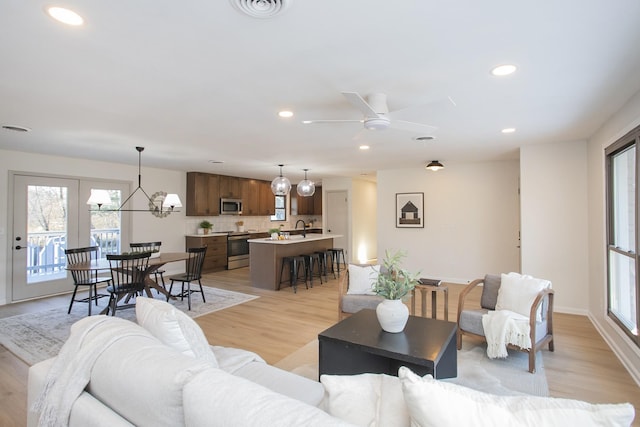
37, 336
509, 376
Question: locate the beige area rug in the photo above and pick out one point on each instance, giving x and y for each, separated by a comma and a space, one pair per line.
38, 336
508, 376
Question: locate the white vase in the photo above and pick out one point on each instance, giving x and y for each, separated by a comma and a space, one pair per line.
392, 315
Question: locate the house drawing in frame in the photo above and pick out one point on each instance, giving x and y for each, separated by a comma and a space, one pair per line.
410, 210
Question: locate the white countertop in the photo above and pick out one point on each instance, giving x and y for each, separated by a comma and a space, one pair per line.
207, 235
295, 239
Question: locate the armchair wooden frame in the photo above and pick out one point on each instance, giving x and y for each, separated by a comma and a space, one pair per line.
536, 343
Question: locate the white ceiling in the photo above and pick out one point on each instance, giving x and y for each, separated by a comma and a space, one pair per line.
194, 81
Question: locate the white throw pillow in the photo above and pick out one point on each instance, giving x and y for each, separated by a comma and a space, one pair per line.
362, 278
436, 403
174, 328
517, 293
365, 399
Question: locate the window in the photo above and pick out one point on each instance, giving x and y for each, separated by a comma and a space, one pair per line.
622, 233
281, 209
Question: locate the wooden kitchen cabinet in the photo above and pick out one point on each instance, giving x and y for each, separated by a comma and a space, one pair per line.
230, 187
250, 191
267, 199
203, 198
216, 257
311, 205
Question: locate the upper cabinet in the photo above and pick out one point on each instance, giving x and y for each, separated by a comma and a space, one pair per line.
203, 197
205, 190
230, 187
311, 205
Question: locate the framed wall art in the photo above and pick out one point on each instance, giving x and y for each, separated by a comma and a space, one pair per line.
409, 210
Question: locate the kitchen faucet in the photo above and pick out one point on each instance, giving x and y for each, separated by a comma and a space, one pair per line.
304, 228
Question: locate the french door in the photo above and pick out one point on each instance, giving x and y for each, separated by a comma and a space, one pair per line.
50, 214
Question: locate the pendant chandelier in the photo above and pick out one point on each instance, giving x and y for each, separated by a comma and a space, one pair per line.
161, 204
306, 187
281, 186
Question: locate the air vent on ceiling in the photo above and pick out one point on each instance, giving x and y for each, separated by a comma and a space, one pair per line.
261, 8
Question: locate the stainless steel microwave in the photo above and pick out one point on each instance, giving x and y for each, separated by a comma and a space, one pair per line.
230, 206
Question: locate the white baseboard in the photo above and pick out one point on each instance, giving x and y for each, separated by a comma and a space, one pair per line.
628, 364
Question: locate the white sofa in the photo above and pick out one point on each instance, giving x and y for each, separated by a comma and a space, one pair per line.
112, 372
141, 379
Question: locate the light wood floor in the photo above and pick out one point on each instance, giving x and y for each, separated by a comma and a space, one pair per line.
278, 323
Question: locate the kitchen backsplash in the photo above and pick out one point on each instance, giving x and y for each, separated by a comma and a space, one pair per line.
226, 223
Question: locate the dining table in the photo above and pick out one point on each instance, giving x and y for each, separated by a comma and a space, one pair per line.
155, 263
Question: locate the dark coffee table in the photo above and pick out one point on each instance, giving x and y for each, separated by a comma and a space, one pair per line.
358, 345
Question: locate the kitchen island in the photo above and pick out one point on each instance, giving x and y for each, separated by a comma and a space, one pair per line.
265, 256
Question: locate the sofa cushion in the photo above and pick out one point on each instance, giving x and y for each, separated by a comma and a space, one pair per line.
362, 278
455, 405
283, 382
174, 328
216, 398
365, 399
517, 293
471, 321
141, 378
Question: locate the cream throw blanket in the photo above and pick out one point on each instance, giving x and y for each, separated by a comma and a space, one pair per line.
71, 371
502, 327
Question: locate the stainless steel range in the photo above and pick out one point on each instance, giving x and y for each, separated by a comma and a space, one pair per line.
237, 250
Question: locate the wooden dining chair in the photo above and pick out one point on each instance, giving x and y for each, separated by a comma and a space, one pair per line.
193, 272
150, 247
127, 274
85, 278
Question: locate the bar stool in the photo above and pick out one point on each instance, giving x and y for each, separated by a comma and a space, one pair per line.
325, 258
335, 257
295, 264
311, 261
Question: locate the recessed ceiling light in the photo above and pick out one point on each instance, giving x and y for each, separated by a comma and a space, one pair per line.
508, 130
66, 16
217, 162
424, 138
306, 122
503, 70
364, 147
16, 128
286, 114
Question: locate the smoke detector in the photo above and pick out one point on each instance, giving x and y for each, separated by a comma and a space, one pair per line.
261, 8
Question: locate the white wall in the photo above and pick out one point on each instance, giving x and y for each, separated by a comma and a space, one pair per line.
471, 219
169, 230
554, 222
620, 123
365, 220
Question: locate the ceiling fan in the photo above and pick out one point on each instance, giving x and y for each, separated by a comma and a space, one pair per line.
377, 115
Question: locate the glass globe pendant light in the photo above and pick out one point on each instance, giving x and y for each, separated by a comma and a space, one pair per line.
306, 187
280, 186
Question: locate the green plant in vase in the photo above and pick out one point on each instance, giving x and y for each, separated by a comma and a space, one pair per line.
206, 226
394, 284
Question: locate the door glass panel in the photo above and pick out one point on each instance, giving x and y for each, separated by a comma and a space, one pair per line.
47, 226
106, 226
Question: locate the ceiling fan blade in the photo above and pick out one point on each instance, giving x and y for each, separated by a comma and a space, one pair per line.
412, 127
306, 122
357, 101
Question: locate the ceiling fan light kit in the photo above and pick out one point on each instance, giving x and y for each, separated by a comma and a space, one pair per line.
306, 187
281, 186
161, 204
435, 166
